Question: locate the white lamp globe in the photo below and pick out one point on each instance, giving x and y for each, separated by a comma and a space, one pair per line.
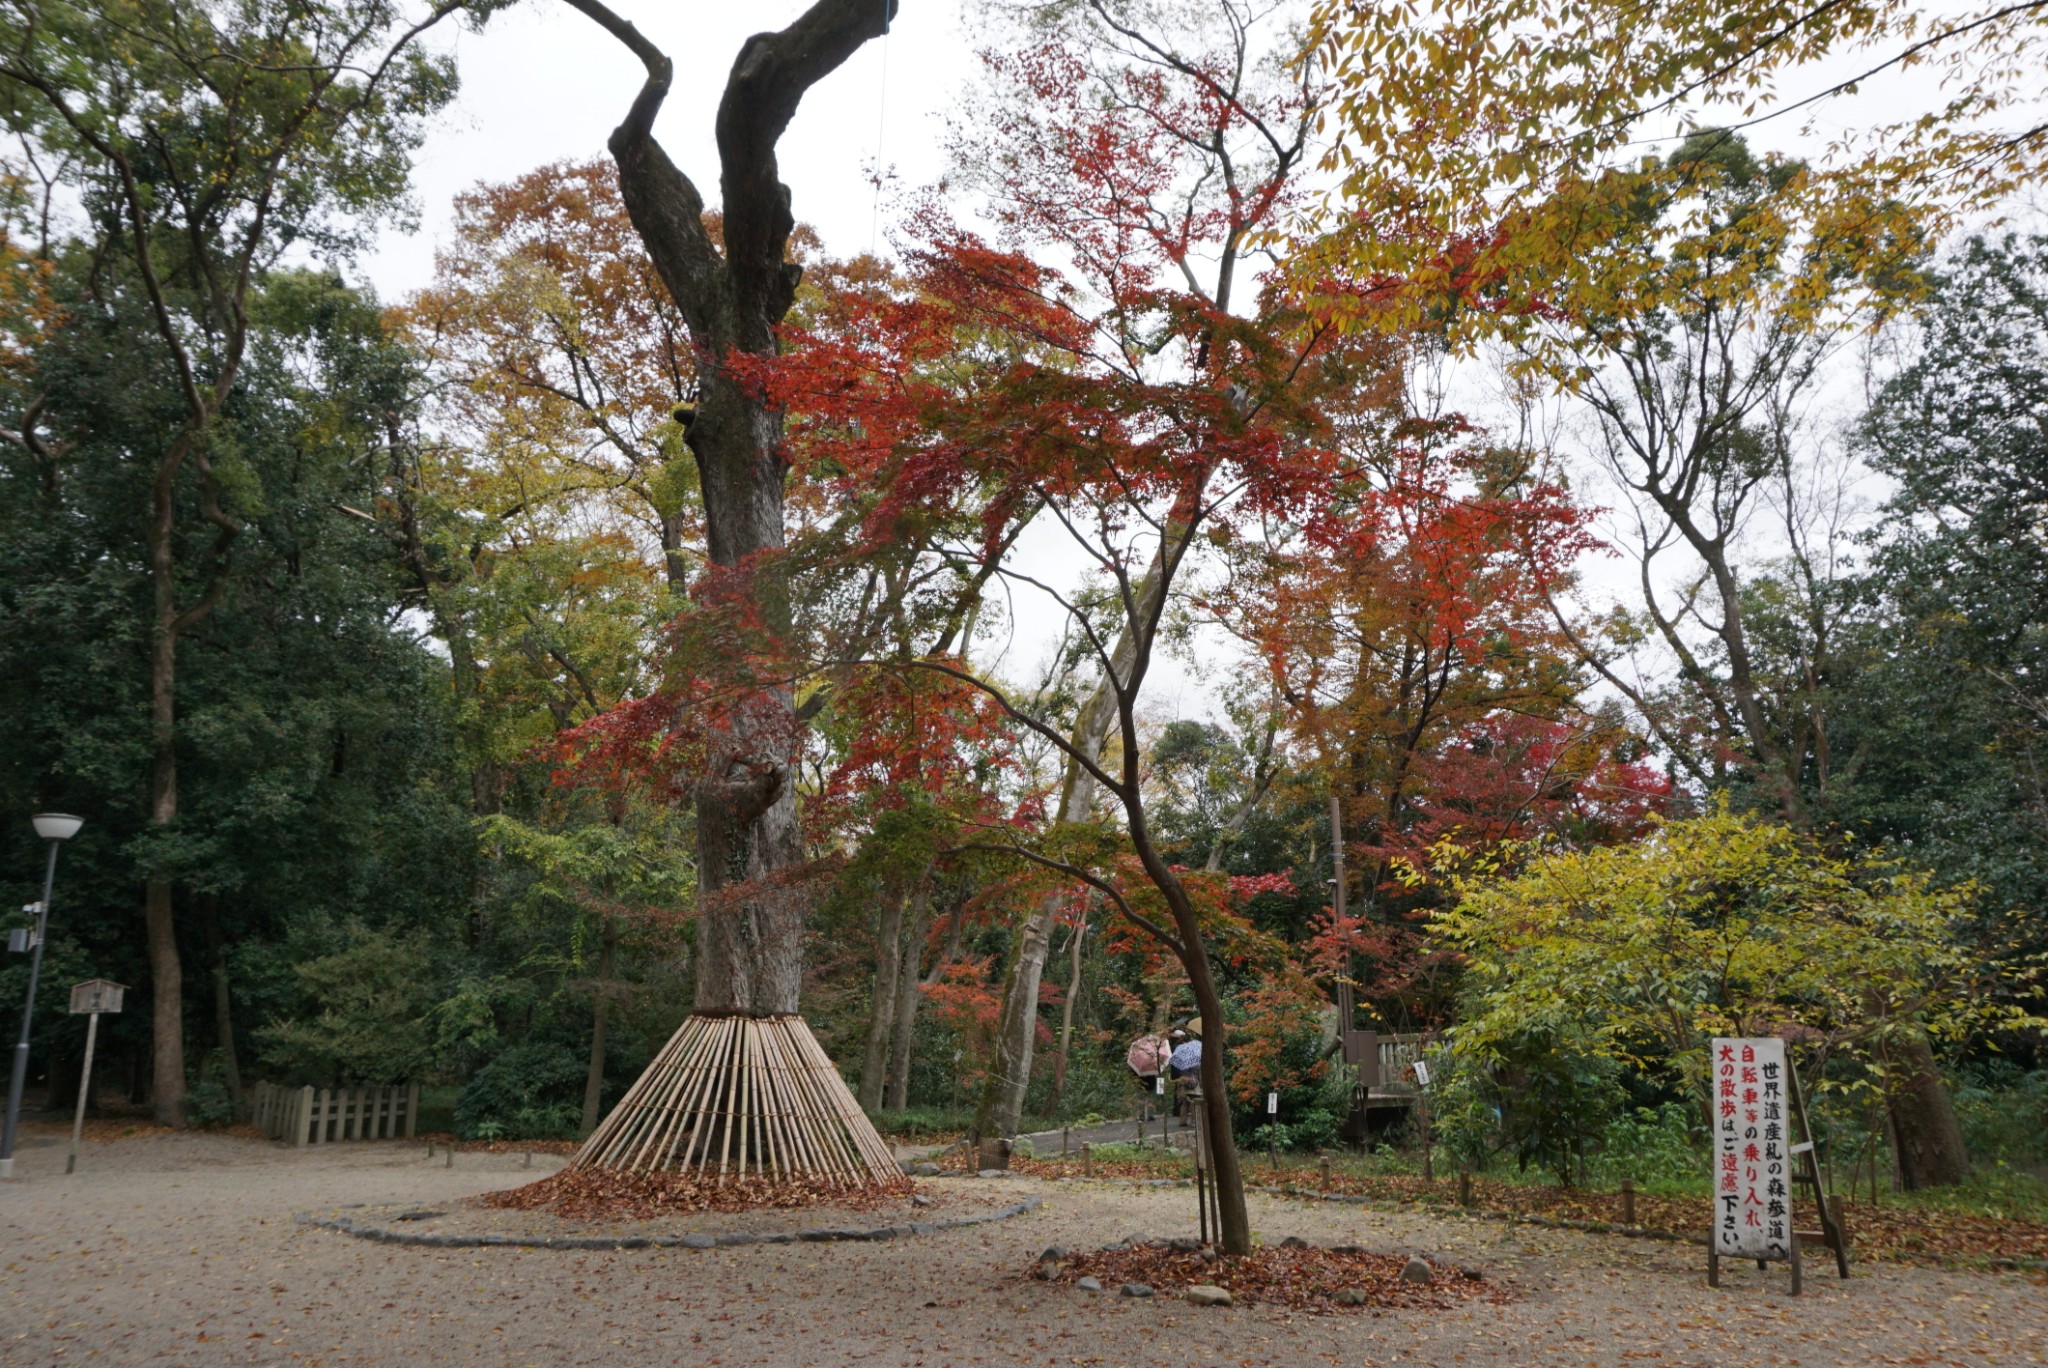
57, 826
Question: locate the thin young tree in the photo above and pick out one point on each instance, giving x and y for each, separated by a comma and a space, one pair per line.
1147, 142
1145, 431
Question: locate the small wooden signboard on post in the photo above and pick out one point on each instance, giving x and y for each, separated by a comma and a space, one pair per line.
1758, 1111
89, 998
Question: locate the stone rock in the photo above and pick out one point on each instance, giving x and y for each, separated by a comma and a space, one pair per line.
1052, 1254
923, 1170
1088, 1284
1183, 1244
700, 1242
992, 1173
919, 1199
1347, 1249
1417, 1271
1134, 1290
1294, 1242
1202, 1294
1349, 1296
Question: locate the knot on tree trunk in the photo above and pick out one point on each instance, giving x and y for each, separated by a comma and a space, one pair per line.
747, 789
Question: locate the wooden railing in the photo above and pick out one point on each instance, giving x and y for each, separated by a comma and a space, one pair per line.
1384, 1063
313, 1116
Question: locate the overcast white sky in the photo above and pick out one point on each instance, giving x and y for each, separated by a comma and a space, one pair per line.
542, 84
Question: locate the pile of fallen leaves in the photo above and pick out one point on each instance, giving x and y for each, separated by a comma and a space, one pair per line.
1298, 1277
1139, 1169
608, 1195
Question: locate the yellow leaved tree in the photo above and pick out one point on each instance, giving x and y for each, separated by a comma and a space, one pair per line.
1726, 924
1500, 149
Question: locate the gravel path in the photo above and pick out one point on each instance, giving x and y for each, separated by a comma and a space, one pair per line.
183, 1250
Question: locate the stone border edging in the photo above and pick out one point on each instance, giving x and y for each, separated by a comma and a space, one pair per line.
823, 1235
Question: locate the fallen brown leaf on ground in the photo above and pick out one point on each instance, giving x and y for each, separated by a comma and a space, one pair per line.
603, 1194
1299, 1278
1884, 1232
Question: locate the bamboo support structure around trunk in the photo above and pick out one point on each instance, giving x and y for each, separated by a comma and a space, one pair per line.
733, 1097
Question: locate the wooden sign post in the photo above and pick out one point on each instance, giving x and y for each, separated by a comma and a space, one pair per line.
90, 997
1763, 1151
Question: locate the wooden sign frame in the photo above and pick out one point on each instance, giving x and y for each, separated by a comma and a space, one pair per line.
1805, 1173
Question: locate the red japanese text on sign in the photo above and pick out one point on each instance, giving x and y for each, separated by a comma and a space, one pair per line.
1752, 1159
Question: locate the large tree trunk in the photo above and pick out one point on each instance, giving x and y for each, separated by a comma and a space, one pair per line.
166, 971
1231, 1214
909, 994
882, 1002
751, 898
600, 1018
750, 917
750, 908
1928, 1142
1002, 1100
167, 1005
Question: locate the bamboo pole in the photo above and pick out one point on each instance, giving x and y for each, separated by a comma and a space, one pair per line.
751, 1096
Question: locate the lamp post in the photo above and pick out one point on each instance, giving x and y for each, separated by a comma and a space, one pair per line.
56, 828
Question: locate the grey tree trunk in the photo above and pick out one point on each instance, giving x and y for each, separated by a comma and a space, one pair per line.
600, 1019
882, 1002
1002, 1100
166, 969
909, 996
1059, 1078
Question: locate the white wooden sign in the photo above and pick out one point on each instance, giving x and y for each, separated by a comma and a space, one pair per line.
1272, 1104
1752, 1150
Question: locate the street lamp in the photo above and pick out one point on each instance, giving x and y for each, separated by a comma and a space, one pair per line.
56, 828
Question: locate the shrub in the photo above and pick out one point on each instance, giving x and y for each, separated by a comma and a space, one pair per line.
532, 1091
2004, 1115
207, 1099
1664, 1146
1534, 1098
361, 1014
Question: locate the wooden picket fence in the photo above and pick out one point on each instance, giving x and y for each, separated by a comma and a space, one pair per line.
313, 1116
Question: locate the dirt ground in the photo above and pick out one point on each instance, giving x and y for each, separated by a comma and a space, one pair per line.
183, 1250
